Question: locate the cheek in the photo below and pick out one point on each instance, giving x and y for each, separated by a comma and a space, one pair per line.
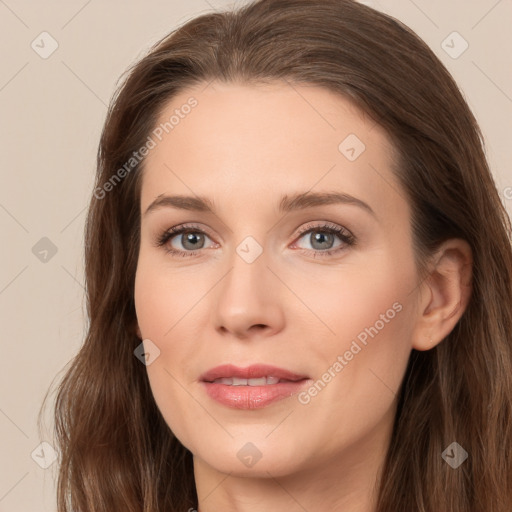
370, 334
154, 303
164, 301
367, 315
358, 302
162, 296
358, 370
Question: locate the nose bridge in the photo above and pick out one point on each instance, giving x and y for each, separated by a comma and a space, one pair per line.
247, 295
247, 278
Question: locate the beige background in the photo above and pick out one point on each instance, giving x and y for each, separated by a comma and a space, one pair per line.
52, 113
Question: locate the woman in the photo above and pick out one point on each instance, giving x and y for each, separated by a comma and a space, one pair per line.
338, 332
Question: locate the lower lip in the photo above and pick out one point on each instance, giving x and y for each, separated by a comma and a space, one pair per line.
253, 397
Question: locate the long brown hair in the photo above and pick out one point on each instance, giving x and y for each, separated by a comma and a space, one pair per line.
117, 452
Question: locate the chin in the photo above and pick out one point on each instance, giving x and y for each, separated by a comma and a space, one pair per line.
250, 458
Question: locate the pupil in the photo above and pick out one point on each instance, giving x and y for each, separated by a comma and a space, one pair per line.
193, 239
320, 237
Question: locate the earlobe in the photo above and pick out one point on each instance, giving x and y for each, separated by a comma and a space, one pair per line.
445, 294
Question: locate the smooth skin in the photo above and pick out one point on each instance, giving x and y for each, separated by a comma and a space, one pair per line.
244, 147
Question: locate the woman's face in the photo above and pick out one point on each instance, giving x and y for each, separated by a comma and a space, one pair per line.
303, 263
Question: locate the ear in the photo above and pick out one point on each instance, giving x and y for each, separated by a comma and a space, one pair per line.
444, 295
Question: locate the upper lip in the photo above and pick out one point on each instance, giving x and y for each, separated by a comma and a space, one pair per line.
250, 372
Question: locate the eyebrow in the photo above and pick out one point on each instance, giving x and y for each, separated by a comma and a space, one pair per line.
287, 204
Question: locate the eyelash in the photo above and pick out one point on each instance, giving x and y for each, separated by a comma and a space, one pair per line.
346, 237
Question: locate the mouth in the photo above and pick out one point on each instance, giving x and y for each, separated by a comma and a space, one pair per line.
253, 387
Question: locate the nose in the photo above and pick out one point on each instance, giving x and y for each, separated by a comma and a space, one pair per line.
248, 302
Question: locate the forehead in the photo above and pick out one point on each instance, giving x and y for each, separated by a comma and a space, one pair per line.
245, 141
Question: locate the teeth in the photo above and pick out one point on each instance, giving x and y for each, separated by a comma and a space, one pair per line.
235, 381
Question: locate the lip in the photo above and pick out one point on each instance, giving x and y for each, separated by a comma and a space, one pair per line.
250, 372
252, 397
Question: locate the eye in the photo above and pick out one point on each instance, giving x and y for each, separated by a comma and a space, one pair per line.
192, 239
322, 238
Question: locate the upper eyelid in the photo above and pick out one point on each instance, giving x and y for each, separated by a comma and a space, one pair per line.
324, 225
